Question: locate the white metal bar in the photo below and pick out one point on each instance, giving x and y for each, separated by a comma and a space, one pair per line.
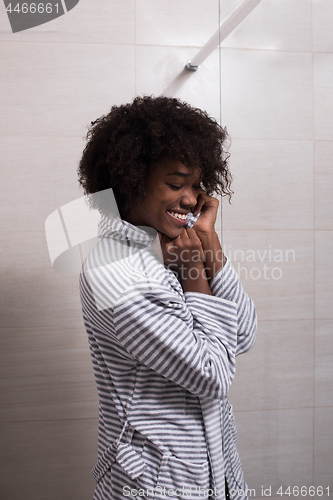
225, 29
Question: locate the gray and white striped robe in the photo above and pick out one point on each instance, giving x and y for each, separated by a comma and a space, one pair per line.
155, 351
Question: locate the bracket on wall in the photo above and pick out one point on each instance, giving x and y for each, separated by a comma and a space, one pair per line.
224, 30
190, 67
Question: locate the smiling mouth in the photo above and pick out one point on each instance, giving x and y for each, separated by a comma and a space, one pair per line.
176, 215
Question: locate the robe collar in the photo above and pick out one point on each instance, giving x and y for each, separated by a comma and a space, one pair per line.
119, 229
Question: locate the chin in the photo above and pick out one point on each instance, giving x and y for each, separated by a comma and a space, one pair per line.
173, 233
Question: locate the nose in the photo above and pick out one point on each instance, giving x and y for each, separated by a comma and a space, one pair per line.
189, 198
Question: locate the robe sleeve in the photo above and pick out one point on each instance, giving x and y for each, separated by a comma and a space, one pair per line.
226, 285
192, 343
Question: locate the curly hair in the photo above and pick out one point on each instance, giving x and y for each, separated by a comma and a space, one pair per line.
125, 143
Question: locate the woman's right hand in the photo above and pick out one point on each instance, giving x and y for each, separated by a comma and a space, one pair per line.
185, 255
185, 251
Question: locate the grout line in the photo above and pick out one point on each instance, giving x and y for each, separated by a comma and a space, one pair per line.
257, 49
221, 232
135, 51
233, 139
314, 254
52, 419
293, 408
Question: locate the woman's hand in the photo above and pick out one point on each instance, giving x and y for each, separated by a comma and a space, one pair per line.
205, 230
208, 206
182, 252
185, 255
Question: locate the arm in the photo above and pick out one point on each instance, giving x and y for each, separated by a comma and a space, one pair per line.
192, 344
226, 284
223, 280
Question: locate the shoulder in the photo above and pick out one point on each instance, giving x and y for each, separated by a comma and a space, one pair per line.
113, 274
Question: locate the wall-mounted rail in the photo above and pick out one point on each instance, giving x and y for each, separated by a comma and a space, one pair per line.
225, 29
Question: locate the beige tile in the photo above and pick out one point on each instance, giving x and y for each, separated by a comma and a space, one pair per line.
5, 29
286, 492
273, 185
323, 449
276, 448
276, 270
278, 372
46, 374
48, 460
160, 70
323, 185
267, 94
272, 25
264, 85
323, 96
40, 176
32, 293
102, 22
324, 274
322, 19
59, 88
169, 22
324, 363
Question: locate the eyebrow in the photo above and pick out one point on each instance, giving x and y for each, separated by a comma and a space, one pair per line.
182, 174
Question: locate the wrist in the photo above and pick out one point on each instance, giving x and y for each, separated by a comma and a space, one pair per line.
214, 257
194, 278
207, 238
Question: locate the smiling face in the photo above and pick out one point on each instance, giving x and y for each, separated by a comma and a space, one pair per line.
172, 191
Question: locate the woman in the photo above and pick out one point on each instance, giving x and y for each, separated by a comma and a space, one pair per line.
164, 322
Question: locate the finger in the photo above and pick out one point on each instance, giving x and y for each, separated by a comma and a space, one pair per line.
192, 234
182, 235
187, 232
202, 199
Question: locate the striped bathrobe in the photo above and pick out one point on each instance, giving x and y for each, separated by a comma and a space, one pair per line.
157, 352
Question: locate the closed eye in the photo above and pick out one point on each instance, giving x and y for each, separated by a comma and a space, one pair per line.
176, 187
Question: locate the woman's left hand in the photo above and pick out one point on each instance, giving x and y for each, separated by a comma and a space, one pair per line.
205, 230
208, 207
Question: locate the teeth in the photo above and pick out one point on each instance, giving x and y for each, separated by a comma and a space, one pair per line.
179, 216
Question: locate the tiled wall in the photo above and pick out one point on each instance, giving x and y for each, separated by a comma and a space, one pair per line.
278, 106
277, 82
